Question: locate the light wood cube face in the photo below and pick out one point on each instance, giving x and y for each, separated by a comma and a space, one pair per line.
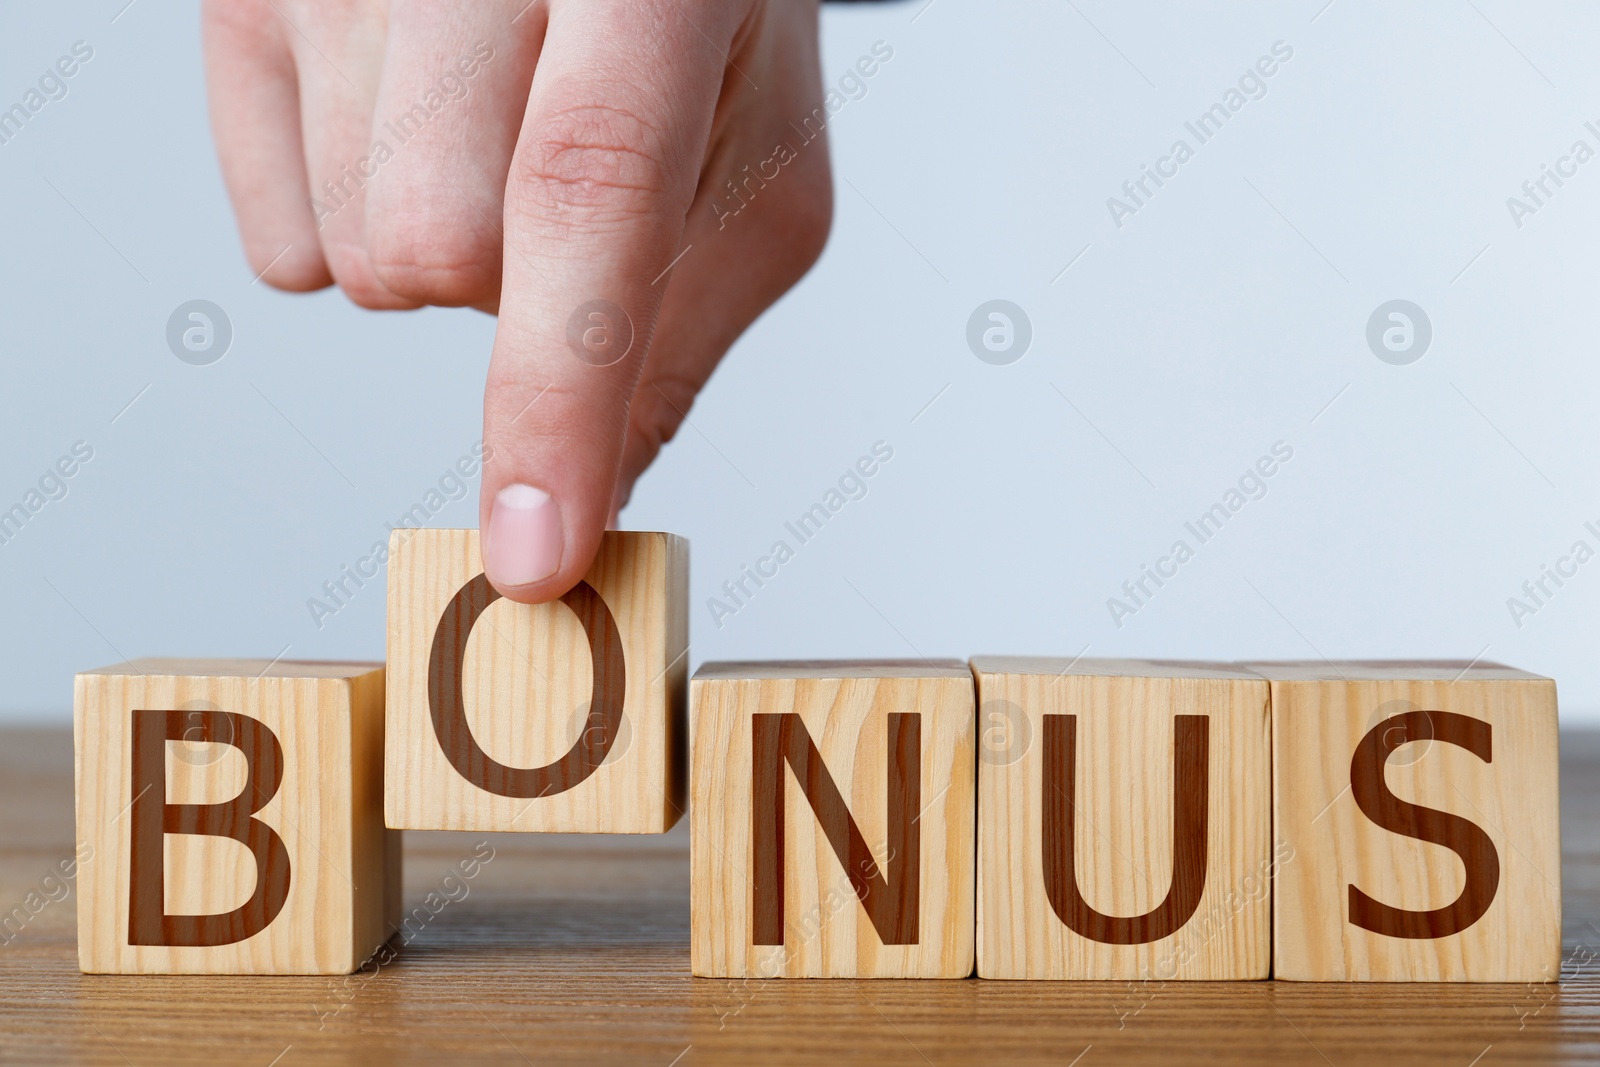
1418, 806
230, 818
561, 717
832, 830
1123, 820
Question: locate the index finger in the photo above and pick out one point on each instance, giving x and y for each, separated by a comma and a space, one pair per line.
605, 170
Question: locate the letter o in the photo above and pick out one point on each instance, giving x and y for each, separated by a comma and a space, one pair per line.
449, 713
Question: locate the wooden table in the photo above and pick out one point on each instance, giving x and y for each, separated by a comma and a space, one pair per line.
576, 950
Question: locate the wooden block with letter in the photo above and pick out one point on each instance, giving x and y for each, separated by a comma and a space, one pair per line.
230, 818
567, 717
832, 829
1418, 808
1123, 820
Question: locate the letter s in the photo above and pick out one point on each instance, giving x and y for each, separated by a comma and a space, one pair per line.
1464, 838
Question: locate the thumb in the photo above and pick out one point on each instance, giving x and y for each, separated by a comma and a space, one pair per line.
605, 170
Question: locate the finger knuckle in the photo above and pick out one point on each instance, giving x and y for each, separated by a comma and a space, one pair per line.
788, 220
436, 261
807, 224
352, 269
244, 19
291, 269
659, 409
595, 159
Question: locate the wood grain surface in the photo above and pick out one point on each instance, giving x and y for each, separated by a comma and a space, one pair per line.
575, 949
914, 876
1117, 828
1488, 866
531, 706
297, 748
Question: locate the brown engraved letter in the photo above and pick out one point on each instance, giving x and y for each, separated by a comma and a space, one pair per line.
154, 818
1464, 838
1191, 763
891, 899
450, 712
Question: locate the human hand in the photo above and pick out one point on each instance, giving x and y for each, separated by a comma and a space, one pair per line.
648, 162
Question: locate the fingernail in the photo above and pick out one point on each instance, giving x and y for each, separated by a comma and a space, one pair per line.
523, 543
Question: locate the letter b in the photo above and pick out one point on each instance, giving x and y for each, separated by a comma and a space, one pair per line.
153, 818
230, 818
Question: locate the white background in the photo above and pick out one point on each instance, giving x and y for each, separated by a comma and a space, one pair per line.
1224, 316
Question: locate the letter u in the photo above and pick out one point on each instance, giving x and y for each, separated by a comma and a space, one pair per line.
1190, 800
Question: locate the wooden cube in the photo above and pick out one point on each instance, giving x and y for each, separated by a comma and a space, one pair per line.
1417, 809
832, 830
567, 717
230, 818
1123, 820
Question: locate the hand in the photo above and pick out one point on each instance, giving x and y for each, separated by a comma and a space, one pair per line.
549, 163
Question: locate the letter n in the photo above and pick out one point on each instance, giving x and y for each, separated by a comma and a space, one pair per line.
153, 818
1190, 798
891, 898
